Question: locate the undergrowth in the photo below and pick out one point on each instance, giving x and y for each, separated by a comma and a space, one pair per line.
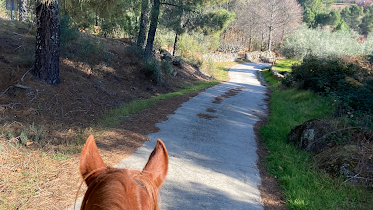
302, 186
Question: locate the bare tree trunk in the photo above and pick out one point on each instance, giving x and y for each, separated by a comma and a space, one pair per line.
152, 29
261, 45
174, 53
144, 20
269, 38
46, 65
23, 10
271, 27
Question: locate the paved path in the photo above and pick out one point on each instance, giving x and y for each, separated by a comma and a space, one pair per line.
212, 163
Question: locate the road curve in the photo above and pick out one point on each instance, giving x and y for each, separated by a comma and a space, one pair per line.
212, 147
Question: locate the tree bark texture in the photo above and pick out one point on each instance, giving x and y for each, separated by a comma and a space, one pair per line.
152, 29
144, 20
23, 10
174, 53
46, 65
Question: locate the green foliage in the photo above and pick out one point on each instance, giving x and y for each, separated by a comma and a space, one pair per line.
333, 76
153, 70
323, 43
342, 26
166, 66
214, 22
366, 25
119, 18
68, 30
164, 38
309, 17
83, 48
302, 186
189, 47
352, 17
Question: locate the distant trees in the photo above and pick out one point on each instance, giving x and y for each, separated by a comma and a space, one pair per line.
367, 24
262, 21
185, 16
357, 17
189, 17
277, 15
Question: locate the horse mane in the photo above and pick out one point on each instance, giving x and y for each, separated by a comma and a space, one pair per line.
120, 182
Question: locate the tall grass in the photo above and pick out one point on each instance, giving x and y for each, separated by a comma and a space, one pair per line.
302, 186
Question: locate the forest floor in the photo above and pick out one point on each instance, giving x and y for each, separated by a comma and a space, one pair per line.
43, 127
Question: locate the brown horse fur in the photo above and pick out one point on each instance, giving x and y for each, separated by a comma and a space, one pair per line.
122, 189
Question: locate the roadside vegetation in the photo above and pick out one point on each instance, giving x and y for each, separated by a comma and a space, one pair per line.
303, 186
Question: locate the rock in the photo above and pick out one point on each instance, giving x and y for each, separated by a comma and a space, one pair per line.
167, 56
311, 136
257, 56
174, 73
349, 162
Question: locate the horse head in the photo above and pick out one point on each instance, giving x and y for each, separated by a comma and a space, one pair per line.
119, 189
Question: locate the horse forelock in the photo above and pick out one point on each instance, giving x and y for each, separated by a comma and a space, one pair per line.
119, 189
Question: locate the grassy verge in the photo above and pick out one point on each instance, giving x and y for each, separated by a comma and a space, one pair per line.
302, 186
115, 116
284, 64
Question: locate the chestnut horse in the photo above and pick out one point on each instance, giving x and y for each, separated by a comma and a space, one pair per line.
119, 189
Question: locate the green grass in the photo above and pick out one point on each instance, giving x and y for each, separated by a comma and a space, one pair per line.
115, 116
285, 64
302, 186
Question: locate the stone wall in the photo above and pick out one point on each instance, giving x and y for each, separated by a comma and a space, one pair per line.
257, 56
217, 57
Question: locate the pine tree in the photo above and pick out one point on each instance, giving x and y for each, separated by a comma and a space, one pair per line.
46, 65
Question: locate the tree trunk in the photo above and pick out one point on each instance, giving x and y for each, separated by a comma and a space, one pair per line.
46, 65
23, 10
143, 23
261, 45
174, 53
269, 38
152, 29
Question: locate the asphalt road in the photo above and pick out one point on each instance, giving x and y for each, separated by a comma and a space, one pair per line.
212, 163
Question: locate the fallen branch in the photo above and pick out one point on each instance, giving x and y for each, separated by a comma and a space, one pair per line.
25, 74
5, 91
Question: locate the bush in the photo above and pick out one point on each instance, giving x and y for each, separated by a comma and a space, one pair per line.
68, 31
338, 77
323, 43
153, 70
166, 66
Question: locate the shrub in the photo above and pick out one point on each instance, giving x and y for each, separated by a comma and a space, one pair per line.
153, 70
68, 31
324, 43
342, 79
166, 66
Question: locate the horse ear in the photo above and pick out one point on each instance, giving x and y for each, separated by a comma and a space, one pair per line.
157, 165
90, 159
